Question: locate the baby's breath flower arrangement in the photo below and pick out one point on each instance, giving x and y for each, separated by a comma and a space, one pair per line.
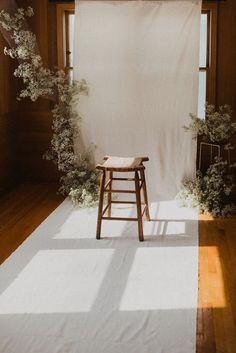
79, 180
211, 192
217, 125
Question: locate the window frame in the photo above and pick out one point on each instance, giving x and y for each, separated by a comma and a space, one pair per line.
62, 12
211, 9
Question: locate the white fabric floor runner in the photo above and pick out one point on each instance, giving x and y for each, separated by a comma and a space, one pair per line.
63, 291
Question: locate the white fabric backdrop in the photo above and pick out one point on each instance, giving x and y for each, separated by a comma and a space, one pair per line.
140, 59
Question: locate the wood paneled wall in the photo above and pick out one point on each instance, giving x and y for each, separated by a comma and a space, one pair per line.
226, 58
35, 119
8, 121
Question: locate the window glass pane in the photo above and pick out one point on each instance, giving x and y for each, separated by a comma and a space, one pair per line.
203, 41
70, 73
202, 94
71, 37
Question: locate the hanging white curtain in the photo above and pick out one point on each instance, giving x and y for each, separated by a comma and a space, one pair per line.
140, 60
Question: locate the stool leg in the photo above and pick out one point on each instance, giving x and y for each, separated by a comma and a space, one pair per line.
109, 198
139, 208
145, 194
100, 204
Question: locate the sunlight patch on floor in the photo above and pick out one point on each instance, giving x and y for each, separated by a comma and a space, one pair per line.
212, 288
56, 281
154, 273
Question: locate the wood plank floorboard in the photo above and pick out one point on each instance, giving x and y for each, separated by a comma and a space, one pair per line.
23, 209
21, 212
216, 321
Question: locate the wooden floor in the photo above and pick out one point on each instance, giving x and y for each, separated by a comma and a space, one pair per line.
22, 210
216, 332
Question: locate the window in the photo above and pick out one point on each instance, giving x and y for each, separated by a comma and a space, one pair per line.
65, 36
203, 63
69, 39
207, 59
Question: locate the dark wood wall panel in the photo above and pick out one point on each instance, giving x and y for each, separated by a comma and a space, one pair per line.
35, 135
8, 122
226, 68
8, 160
226, 61
35, 117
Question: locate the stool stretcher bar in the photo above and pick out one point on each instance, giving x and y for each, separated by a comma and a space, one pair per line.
120, 191
126, 202
119, 219
125, 179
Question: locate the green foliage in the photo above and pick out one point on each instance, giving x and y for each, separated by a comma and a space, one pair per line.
79, 179
210, 192
217, 127
85, 189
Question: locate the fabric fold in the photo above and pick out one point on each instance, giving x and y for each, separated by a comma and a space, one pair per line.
141, 62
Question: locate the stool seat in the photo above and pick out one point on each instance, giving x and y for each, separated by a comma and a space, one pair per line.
119, 164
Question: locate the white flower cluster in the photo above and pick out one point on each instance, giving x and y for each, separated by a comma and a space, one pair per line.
39, 81
79, 179
210, 192
217, 127
17, 21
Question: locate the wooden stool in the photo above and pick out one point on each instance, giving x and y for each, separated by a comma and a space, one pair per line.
118, 164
